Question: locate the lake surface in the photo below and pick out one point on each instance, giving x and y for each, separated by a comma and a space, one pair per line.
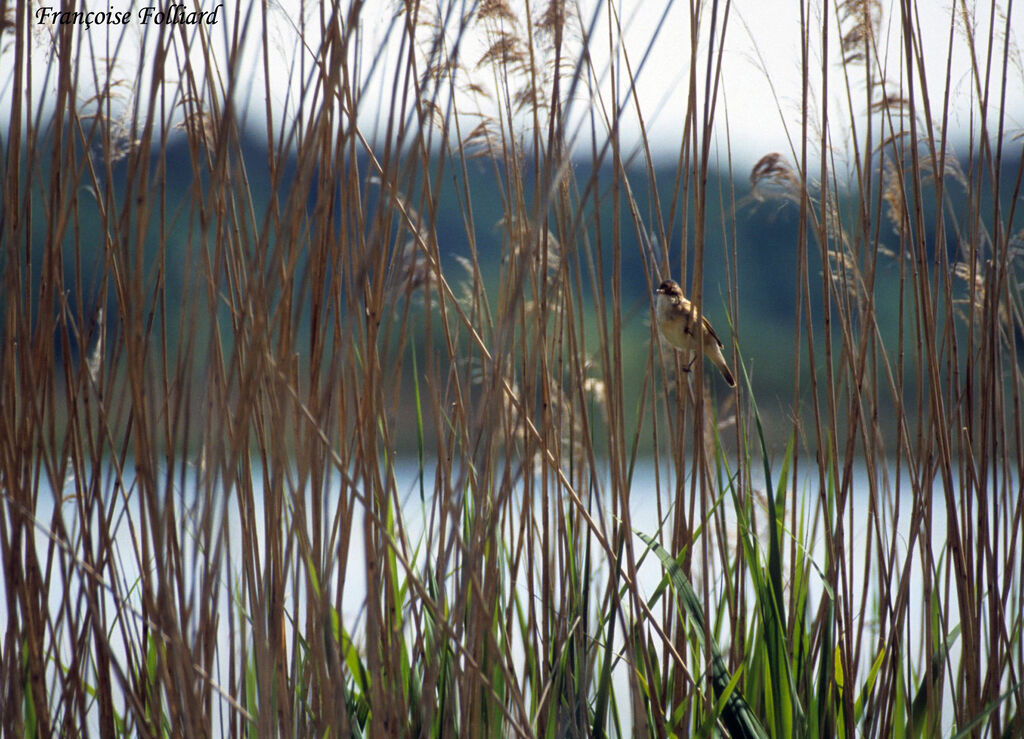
894, 524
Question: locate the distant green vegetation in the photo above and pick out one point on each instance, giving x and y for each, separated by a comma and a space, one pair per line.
761, 236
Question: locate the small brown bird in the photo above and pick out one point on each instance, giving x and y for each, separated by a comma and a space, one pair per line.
677, 320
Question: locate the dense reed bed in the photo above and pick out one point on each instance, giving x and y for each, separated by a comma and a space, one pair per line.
303, 448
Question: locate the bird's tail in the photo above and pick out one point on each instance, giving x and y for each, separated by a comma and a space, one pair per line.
719, 361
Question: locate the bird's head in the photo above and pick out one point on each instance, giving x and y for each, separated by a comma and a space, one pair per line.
669, 288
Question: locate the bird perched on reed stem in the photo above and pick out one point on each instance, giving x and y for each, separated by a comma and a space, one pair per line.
678, 321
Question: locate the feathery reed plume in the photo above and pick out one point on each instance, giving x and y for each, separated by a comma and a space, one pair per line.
198, 124
772, 177
890, 102
504, 51
844, 271
859, 21
94, 362
496, 11
7, 22
893, 196
117, 140
978, 295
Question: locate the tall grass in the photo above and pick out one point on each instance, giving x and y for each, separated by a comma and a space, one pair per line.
290, 451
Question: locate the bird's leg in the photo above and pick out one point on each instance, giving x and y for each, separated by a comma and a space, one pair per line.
689, 365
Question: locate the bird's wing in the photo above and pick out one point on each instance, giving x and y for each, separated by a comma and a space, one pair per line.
711, 331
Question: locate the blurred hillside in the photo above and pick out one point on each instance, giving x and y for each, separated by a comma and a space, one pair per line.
751, 238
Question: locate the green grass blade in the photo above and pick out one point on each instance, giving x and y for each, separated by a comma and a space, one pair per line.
737, 716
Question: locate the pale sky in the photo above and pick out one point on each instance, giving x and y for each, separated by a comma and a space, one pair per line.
761, 81
760, 99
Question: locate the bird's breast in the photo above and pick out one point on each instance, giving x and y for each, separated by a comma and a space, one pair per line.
673, 324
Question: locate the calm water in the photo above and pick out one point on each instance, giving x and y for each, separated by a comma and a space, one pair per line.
894, 527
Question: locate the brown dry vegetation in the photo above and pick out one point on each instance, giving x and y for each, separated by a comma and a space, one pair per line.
206, 526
